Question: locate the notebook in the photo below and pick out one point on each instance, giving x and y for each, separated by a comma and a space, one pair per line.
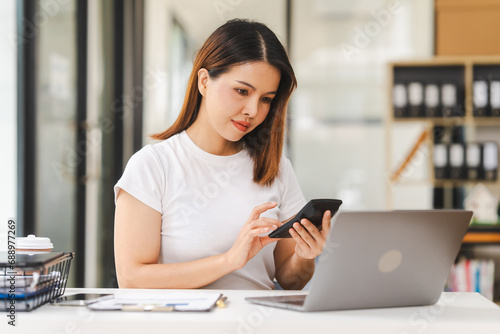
381, 259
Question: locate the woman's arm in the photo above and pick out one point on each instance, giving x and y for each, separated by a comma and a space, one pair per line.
292, 272
137, 248
294, 258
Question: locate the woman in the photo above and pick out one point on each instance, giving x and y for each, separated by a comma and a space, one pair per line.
193, 210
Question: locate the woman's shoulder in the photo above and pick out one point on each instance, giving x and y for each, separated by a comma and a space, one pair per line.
156, 153
159, 147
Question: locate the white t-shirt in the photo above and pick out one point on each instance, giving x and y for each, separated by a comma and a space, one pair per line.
204, 200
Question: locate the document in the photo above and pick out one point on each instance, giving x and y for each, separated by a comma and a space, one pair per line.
159, 301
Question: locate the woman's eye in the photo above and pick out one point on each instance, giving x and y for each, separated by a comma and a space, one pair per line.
267, 100
241, 91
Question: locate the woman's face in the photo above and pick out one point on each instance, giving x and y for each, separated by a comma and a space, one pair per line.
237, 101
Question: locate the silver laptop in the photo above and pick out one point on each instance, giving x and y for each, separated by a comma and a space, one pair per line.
381, 259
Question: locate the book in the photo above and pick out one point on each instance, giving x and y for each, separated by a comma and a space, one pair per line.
472, 275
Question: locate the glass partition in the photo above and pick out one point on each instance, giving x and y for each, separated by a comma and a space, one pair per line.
57, 155
8, 130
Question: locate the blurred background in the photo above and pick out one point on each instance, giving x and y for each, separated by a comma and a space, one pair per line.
84, 84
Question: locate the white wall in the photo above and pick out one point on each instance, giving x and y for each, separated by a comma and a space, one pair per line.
8, 122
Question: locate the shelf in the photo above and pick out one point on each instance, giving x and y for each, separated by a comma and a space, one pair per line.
483, 234
461, 71
448, 182
482, 238
433, 120
487, 121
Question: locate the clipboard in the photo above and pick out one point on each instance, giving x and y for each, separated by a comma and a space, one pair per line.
161, 302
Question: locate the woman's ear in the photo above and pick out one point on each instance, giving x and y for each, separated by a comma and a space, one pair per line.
203, 81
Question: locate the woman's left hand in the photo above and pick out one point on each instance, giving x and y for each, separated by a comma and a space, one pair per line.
309, 240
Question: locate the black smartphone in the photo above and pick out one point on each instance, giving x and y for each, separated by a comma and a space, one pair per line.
313, 211
81, 299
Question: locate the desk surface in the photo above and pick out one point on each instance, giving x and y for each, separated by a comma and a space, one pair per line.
468, 313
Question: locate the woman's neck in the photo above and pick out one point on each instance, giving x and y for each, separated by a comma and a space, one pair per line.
210, 141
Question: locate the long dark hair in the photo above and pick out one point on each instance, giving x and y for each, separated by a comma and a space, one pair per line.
234, 43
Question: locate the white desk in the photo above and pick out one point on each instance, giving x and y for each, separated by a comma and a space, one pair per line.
467, 313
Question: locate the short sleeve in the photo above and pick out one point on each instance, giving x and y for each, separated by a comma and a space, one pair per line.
143, 178
292, 199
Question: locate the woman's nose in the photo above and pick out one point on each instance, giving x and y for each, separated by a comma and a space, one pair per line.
251, 108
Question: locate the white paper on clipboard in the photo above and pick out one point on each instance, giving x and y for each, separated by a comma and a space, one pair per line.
180, 301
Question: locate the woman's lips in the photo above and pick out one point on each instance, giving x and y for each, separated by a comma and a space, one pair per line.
241, 125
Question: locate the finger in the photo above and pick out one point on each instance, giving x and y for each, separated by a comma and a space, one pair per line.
327, 222
257, 231
298, 239
312, 229
270, 223
258, 210
307, 250
265, 221
266, 240
312, 236
304, 234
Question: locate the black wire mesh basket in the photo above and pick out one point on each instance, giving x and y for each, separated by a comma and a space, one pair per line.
29, 281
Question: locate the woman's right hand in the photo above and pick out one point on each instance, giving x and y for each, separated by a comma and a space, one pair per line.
249, 243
